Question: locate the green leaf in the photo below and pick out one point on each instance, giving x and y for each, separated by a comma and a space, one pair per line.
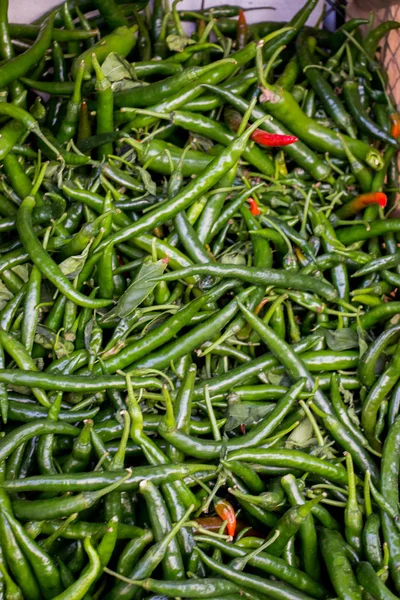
140, 288
341, 339
353, 416
72, 266
45, 337
22, 271
157, 321
326, 452
87, 334
148, 183
301, 436
5, 295
244, 414
116, 68
19, 389
201, 142
233, 259
125, 84
96, 338
275, 378
177, 43
63, 347
362, 343
48, 339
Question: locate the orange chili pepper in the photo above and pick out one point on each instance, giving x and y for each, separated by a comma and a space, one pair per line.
225, 510
357, 204
395, 131
263, 302
214, 524
255, 211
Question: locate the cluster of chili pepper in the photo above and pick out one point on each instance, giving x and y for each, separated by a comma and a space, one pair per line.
199, 313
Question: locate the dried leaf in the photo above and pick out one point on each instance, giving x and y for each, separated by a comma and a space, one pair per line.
269, 96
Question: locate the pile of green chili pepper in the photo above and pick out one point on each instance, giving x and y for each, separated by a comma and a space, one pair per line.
199, 311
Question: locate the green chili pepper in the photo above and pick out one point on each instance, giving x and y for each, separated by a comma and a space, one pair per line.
280, 104
44, 568
389, 477
197, 447
353, 516
368, 578
19, 65
377, 395
372, 542
270, 564
172, 563
132, 552
122, 40
307, 531
299, 152
149, 562
82, 585
330, 101
338, 565
43, 261
253, 582
61, 507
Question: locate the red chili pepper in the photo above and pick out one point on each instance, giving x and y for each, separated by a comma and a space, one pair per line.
395, 131
225, 510
272, 139
233, 119
255, 211
357, 204
241, 31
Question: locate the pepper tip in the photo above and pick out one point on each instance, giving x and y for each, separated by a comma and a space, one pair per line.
382, 199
